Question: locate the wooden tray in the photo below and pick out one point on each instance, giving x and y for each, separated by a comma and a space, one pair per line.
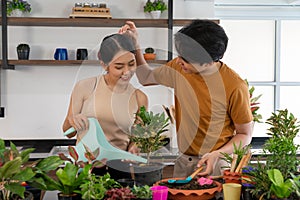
90, 12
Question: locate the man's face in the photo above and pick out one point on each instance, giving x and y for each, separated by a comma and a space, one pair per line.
190, 68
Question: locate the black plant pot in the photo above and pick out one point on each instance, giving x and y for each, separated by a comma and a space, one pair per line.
23, 51
246, 193
143, 174
35, 192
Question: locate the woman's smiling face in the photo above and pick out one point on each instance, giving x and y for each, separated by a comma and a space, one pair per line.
122, 67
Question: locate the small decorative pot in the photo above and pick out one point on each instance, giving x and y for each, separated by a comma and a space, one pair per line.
149, 56
17, 13
232, 177
23, 51
155, 14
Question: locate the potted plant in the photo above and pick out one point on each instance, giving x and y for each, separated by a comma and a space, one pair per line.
18, 7
13, 171
75, 172
237, 161
279, 152
155, 7
95, 187
198, 188
149, 54
147, 134
142, 192
16, 171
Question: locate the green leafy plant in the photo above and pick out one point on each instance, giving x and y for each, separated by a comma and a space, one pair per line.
147, 134
149, 50
69, 178
235, 159
13, 171
95, 187
295, 180
279, 152
22, 5
254, 104
142, 192
155, 5
279, 187
280, 148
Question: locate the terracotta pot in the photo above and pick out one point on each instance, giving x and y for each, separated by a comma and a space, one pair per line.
149, 56
205, 194
232, 177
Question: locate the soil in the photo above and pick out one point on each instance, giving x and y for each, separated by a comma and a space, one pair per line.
192, 185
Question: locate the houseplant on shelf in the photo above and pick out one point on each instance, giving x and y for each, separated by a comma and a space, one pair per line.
155, 8
17, 7
149, 54
279, 152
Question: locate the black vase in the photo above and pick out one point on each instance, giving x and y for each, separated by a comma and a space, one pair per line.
23, 51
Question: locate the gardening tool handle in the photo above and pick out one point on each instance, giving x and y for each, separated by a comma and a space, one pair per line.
196, 172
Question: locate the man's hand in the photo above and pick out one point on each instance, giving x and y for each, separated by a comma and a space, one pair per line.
130, 29
210, 160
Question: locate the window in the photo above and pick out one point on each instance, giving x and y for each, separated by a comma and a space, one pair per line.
265, 53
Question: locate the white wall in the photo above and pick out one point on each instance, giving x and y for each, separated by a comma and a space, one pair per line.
36, 97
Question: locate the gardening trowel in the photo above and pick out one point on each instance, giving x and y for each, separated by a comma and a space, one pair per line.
187, 180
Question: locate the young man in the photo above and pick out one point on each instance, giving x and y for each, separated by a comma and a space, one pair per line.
211, 100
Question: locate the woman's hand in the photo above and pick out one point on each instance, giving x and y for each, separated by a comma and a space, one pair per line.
79, 122
210, 160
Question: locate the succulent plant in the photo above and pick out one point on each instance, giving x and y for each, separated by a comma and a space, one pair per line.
149, 50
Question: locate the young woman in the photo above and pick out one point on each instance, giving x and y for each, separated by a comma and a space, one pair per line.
110, 98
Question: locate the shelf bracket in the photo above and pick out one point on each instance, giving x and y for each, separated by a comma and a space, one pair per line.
4, 64
170, 30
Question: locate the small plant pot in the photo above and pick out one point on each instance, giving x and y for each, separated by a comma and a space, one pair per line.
246, 192
149, 56
155, 14
232, 177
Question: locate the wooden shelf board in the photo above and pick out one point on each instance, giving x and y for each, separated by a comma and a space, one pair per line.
92, 22
65, 62
83, 22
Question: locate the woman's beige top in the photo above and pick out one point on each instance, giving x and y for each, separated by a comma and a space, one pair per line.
115, 111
